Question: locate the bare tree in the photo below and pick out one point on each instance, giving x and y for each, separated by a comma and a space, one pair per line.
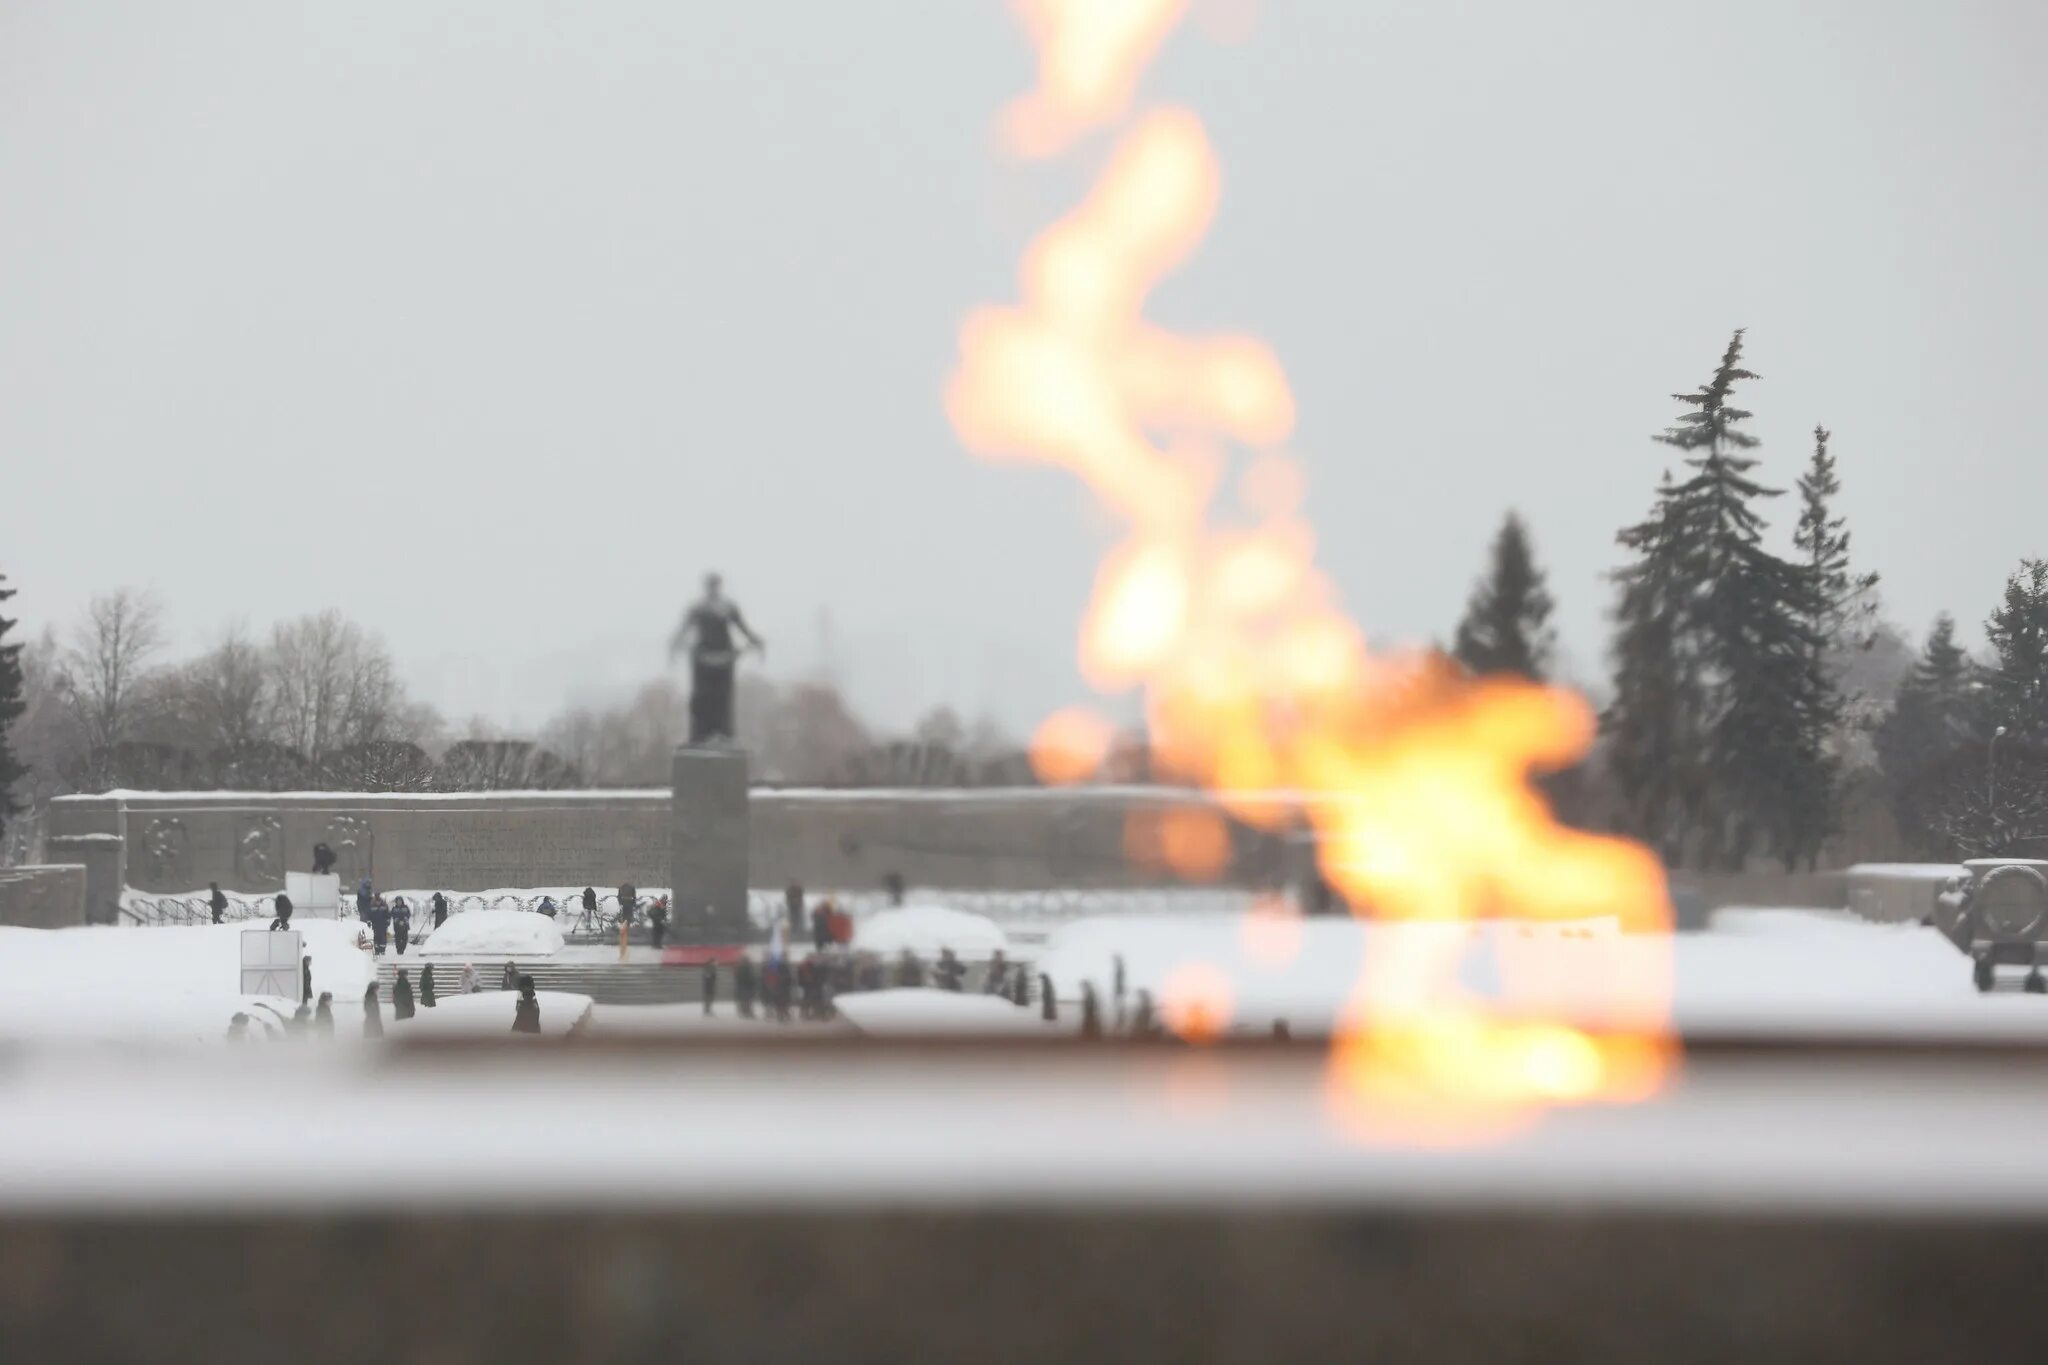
332, 685
230, 693
110, 647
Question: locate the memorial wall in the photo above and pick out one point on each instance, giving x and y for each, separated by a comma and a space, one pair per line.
1025, 838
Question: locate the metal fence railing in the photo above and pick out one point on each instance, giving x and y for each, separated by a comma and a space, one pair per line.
764, 907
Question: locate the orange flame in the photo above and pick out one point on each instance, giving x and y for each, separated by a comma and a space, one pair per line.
1195, 1001
1414, 776
1089, 55
1070, 746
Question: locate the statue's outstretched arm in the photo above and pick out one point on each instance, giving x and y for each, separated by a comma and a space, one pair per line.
740, 623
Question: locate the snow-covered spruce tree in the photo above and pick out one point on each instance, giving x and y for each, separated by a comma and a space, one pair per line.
1751, 609
1937, 713
2016, 688
1506, 627
1655, 747
13, 702
1838, 608
1710, 722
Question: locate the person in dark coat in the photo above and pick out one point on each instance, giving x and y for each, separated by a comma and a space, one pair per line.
401, 997
306, 977
373, 1017
511, 978
893, 884
1141, 1016
590, 901
629, 901
284, 913
427, 986
812, 981
869, 973
363, 900
526, 1013
323, 860
401, 924
710, 982
217, 902
950, 971
744, 982
997, 982
807, 988
1091, 1012
238, 1028
1117, 988
379, 916
1020, 986
821, 925
657, 921
1048, 1008
440, 904
793, 906
782, 987
909, 971
323, 1014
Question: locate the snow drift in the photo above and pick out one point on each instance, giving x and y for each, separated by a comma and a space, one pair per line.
922, 1013
925, 929
494, 933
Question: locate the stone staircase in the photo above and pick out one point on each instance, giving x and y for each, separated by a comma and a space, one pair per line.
633, 983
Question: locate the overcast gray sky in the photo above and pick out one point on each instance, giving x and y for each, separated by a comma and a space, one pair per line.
494, 322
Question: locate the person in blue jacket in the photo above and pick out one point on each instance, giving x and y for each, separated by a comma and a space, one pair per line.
379, 916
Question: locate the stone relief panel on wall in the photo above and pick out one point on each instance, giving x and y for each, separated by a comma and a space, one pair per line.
259, 851
166, 854
349, 837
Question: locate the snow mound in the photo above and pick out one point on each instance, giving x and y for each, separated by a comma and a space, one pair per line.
494, 933
488, 1014
917, 1013
925, 929
669, 1021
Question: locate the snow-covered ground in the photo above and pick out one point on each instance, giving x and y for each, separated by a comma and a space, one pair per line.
105, 984
1753, 972
488, 1014
1757, 972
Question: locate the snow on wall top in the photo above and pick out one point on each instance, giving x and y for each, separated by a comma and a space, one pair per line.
947, 794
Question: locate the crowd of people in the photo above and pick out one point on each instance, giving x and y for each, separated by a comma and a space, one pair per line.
775, 983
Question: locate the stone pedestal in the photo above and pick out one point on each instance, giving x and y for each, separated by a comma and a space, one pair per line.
708, 844
104, 858
42, 896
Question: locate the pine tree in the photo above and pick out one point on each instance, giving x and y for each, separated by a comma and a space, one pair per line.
1835, 605
1710, 727
1843, 601
1747, 609
1506, 628
13, 703
1652, 725
2016, 689
1937, 712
